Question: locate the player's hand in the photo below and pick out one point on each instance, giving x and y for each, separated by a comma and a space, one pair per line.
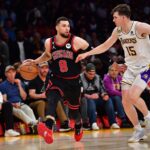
80, 57
29, 62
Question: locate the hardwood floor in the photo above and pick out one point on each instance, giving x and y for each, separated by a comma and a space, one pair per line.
92, 140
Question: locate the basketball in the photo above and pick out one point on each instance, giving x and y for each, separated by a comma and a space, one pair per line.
28, 71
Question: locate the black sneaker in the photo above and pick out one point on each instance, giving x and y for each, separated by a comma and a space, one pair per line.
86, 126
64, 127
33, 129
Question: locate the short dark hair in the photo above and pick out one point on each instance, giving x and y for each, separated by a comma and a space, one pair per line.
61, 19
122, 9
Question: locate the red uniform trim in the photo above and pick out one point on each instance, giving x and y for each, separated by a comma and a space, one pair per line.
49, 86
61, 45
74, 107
57, 88
67, 78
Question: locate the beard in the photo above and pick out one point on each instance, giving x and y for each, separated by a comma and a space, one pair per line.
64, 35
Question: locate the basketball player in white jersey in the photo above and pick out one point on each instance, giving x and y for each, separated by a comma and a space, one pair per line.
134, 37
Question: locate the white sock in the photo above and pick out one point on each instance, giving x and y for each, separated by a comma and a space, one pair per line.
147, 116
137, 127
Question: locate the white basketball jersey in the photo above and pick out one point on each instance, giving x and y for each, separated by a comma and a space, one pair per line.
136, 49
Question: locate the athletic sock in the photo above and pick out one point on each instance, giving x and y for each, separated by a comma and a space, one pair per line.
147, 116
138, 127
49, 123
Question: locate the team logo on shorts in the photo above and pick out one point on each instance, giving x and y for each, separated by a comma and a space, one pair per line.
145, 76
131, 33
68, 45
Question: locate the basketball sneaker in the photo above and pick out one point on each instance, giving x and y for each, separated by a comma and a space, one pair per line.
78, 132
11, 133
86, 126
138, 134
45, 132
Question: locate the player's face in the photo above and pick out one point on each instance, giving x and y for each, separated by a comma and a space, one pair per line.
118, 19
90, 74
63, 29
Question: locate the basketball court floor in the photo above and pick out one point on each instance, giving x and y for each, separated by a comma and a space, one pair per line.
92, 140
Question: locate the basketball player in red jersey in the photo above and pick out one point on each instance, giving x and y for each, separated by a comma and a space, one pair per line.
63, 50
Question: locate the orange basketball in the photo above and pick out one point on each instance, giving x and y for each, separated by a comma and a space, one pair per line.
28, 72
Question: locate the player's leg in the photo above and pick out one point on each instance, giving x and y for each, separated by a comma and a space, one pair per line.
137, 101
138, 87
129, 107
46, 129
73, 97
127, 81
75, 114
130, 111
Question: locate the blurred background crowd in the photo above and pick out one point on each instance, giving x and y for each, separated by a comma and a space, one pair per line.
25, 24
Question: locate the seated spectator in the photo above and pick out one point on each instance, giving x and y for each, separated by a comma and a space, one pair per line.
96, 96
38, 101
112, 83
13, 92
6, 109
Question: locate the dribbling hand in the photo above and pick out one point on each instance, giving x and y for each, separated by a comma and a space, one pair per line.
29, 62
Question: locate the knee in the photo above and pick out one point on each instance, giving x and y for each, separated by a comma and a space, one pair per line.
133, 97
18, 112
27, 108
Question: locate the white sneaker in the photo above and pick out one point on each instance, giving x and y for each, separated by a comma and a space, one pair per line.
138, 134
11, 132
142, 123
115, 126
95, 126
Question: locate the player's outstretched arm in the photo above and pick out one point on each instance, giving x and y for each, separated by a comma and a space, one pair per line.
143, 29
101, 48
